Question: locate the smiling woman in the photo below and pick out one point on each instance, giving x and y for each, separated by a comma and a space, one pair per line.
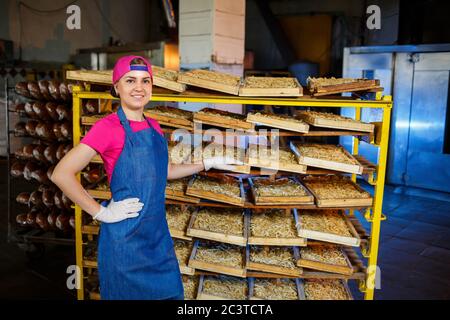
136, 257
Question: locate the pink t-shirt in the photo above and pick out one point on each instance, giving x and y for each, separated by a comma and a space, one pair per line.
107, 137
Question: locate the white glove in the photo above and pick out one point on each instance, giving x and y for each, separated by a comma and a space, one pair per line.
220, 162
118, 211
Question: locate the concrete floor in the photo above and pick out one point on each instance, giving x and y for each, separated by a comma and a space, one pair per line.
414, 256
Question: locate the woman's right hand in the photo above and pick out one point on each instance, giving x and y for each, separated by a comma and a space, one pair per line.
120, 210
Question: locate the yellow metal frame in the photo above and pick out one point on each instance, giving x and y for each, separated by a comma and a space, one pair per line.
373, 215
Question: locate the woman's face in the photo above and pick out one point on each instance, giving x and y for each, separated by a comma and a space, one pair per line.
134, 89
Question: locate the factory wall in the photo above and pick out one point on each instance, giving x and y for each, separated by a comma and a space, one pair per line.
348, 29
52, 41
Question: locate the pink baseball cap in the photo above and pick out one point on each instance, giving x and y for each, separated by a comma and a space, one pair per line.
123, 66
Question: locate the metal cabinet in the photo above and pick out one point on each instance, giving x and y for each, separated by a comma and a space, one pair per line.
418, 78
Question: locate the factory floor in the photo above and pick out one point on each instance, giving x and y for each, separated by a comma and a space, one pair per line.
414, 255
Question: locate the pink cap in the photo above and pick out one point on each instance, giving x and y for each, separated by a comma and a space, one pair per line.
123, 66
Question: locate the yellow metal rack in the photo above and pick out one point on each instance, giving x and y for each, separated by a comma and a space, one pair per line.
375, 177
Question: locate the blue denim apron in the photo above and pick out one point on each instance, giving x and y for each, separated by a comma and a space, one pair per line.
136, 258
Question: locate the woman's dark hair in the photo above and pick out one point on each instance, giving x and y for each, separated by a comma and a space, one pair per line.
135, 61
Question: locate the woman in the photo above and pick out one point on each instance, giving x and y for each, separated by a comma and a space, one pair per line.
136, 259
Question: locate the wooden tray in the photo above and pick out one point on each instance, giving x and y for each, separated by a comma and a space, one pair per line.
353, 241
91, 120
90, 264
93, 76
270, 87
178, 233
333, 203
184, 269
274, 200
211, 80
330, 120
220, 118
298, 284
277, 121
90, 229
326, 266
180, 195
218, 236
162, 115
342, 282
274, 241
355, 167
179, 152
210, 195
356, 85
167, 79
209, 296
280, 270
215, 149
255, 160
216, 267
105, 77
196, 282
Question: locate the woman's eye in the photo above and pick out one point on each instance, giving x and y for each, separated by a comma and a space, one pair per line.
146, 81
129, 81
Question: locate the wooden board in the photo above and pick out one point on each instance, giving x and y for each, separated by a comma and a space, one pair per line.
162, 114
222, 119
100, 194
298, 285
90, 264
105, 77
326, 266
90, 229
318, 89
354, 240
274, 200
210, 195
211, 80
91, 120
240, 240
272, 163
92, 76
216, 267
355, 167
329, 120
341, 202
270, 87
201, 295
181, 197
281, 270
277, 121
274, 241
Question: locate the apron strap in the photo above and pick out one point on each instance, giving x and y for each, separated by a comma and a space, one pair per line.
149, 123
124, 121
126, 124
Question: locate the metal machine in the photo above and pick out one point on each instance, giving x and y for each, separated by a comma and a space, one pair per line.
418, 79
